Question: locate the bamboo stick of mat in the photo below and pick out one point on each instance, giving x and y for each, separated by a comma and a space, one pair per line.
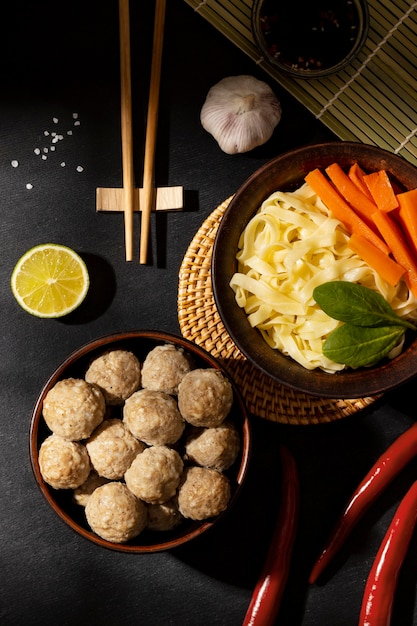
126, 126
151, 129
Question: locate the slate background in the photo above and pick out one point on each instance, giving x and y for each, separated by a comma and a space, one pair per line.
56, 60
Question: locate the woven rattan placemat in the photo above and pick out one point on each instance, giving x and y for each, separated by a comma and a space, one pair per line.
200, 322
372, 100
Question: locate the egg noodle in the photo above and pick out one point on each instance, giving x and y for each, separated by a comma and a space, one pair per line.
292, 245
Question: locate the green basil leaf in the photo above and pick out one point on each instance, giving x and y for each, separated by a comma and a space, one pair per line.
356, 346
356, 305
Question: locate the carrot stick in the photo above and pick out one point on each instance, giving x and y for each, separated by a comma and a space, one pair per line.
381, 189
402, 254
356, 175
407, 213
341, 209
359, 202
386, 267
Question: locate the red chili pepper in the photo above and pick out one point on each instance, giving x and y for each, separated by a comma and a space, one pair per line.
266, 598
389, 464
382, 580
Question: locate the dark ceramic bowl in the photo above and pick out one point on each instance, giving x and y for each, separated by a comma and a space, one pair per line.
285, 173
140, 343
311, 38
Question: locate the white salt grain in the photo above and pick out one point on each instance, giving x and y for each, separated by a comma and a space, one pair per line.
54, 138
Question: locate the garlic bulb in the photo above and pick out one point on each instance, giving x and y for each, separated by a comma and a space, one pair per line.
241, 113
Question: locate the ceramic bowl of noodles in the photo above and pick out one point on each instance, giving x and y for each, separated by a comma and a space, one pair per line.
277, 242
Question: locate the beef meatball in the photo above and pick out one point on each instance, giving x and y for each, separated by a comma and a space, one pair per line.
63, 464
115, 514
205, 397
213, 447
163, 517
155, 474
73, 408
153, 417
117, 373
84, 491
164, 368
203, 493
112, 448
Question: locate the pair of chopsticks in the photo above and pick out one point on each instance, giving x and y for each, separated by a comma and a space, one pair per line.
151, 128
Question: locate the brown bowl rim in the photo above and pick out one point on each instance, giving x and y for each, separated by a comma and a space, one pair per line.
286, 371
104, 342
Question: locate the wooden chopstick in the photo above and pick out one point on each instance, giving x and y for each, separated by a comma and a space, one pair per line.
126, 126
151, 129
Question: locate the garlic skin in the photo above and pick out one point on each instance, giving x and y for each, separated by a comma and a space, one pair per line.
241, 112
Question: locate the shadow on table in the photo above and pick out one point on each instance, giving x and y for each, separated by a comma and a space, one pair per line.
100, 294
234, 550
332, 458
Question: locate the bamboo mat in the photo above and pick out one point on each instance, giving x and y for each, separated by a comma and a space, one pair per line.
373, 100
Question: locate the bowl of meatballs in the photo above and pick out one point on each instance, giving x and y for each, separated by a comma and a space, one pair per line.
140, 441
